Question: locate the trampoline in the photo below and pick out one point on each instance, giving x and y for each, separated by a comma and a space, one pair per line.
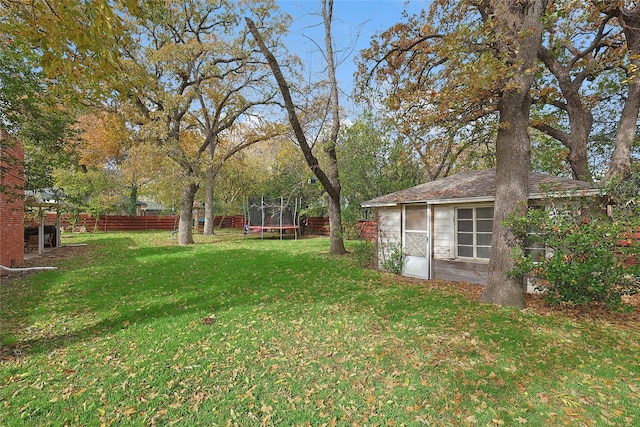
272, 215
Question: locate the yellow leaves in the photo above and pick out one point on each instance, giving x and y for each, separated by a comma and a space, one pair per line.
569, 401
104, 138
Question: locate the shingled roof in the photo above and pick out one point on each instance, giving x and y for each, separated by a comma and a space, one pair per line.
474, 186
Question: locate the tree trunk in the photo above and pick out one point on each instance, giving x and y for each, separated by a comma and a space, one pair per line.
133, 200
519, 30
335, 211
210, 176
578, 156
513, 158
580, 116
335, 228
627, 127
580, 123
208, 203
627, 130
329, 180
185, 226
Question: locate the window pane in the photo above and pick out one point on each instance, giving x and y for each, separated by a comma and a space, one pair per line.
484, 239
465, 213
484, 213
474, 232
533, 245
466, 251
484, 251
465, 226
416, 218
465, 238
485, 225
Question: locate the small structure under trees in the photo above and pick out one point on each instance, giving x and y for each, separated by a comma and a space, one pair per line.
272, 215
443, 229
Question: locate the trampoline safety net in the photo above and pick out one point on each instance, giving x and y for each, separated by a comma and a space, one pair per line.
272, 214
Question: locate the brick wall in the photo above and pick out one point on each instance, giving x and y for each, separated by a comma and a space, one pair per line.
319, 226
368, 230
630, 238
11, 201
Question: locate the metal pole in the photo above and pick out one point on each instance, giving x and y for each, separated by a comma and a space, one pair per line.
295, 214
58, 237
41, 231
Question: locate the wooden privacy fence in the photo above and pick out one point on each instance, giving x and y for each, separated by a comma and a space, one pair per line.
317, 226
108, 223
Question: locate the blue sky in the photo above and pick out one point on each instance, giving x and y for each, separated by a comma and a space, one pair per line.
355, 22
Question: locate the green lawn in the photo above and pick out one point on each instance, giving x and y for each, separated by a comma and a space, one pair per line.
248, 332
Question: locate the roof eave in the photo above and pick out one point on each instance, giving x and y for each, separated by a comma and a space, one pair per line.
460, 200
379, 205
581, 192
485, 199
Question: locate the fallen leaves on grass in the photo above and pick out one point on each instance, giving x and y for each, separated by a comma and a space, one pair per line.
536, 304
209, 320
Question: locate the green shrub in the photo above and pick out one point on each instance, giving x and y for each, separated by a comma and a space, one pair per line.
394, 260
585, 260
363, 252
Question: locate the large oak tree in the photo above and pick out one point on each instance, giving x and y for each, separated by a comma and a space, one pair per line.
588, 62
590, 48
516, 32
191, 71
628, 17
464, 64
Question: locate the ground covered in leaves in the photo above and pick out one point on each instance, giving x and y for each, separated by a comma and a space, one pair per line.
628, 317
535, 303
134, 330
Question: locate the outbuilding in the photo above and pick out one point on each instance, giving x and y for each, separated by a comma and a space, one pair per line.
444, 227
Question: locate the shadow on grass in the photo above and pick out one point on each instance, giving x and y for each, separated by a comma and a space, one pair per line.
27, 295
123, 284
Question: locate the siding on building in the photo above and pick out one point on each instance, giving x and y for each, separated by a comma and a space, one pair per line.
389, 232
443, 232
444, 264
456, 270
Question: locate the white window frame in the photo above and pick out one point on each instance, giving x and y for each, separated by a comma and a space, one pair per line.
474, 233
